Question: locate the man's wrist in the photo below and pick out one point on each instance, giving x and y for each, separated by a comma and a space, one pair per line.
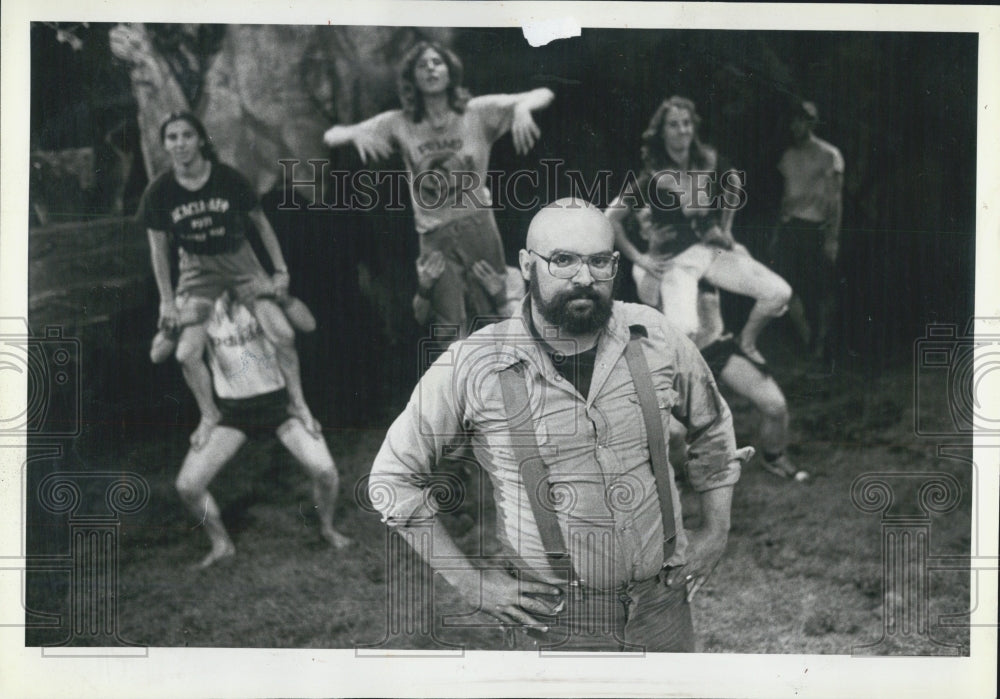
716, 527
425, 292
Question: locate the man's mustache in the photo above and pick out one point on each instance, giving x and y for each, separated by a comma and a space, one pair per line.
586, 293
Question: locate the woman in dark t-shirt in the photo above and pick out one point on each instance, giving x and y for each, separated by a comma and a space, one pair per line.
686, 217
203, 208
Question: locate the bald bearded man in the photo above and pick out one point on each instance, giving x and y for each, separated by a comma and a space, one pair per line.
567, 406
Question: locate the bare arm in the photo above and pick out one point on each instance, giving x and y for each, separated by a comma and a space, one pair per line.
372, 138
523, 128
430, 267
831, 244
269, 240
714, 467
159, 253
536, 99
616, 214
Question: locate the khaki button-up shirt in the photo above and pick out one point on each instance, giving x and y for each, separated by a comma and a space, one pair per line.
595, 450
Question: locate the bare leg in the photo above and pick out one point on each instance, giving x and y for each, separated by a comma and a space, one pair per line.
826, 305
739, 273
277, 329
747, 380
312, 452
190, 353
797, 314
199, 468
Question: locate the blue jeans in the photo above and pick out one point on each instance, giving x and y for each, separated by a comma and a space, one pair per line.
645, 616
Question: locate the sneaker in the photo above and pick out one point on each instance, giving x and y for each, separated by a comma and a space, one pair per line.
783, 468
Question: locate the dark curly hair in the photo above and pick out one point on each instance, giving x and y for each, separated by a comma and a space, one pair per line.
207, 149
654, 153
411, 98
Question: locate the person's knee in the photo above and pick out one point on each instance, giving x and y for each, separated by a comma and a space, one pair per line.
680, 318
188, 352
772, 405
778, 295
190, 347
188, 489
277, 328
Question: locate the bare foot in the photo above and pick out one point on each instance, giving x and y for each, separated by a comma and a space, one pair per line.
217, 554
753, 354
335, 538
309, 422
199, 437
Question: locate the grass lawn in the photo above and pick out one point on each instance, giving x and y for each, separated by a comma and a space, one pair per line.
803, 572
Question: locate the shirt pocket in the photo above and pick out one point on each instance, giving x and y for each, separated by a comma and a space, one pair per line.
577, 496
666, 399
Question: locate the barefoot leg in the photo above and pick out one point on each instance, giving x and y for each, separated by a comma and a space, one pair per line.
199, 468
315, 457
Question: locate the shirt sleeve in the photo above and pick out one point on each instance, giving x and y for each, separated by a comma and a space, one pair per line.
402, 486
713, 460
242, 191
381, 127
496, 112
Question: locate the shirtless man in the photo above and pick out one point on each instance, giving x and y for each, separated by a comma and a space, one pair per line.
806, 242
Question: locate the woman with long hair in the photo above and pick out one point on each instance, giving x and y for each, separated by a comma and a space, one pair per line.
445, 136
687, 218
202, 208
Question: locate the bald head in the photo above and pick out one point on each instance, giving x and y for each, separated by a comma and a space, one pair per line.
570, 224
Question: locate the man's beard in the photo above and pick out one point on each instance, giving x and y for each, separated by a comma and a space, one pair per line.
559, 313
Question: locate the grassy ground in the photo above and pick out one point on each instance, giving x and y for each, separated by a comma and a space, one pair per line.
803, 572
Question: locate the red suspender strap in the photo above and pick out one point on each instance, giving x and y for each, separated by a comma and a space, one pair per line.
643, 382
515, 398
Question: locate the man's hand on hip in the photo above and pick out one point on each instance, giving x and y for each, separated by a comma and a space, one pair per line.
510, 600
705, 548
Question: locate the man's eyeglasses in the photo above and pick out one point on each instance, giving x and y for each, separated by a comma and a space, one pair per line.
565, 265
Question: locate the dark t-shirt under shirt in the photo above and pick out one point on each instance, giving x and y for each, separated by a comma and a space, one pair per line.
578, 369
209, 221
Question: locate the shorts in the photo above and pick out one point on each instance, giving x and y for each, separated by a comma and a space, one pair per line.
675, 294
717, 354
257, 416
207, 276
